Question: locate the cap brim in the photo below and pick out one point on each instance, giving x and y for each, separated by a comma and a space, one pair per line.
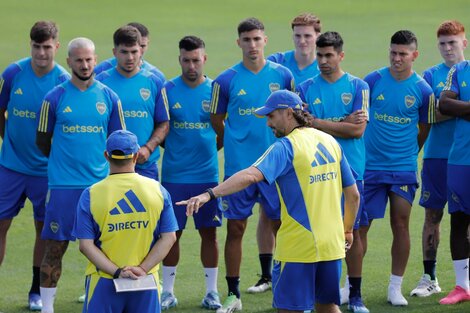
263, 111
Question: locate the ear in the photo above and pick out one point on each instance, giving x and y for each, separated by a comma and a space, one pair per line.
134, 158
114, 51
238, 42
415, 54
106, 156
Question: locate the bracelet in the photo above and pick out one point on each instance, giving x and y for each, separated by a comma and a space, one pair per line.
348, 231
142, 268
211, 193
117, 273
148, 148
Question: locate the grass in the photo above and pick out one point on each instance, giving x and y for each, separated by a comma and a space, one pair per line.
366, 27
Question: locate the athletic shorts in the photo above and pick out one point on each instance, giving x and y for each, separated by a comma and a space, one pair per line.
150, 172
379, 184
101, 297
298, 286
61, 210
239, 206
15, 187
458, 182
433, 184
361, 217
209, 215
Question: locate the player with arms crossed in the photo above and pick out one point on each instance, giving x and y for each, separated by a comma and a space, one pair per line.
76, 115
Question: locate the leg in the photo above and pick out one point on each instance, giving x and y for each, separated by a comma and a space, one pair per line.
431, 233
264, 233
326, 308
173, 256
209, 247
170, 262
400, 210
233, 253
4, 226
51, 266
39, 245
286, 311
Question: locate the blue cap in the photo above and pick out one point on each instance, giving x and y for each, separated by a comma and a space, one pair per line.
123, 141
280, 99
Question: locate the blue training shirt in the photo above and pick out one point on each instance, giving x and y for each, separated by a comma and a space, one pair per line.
190, 147
80, 122
334, 102
112, 62
458, 81
238, 92
396, 107
21, 94
140, 98
287, 59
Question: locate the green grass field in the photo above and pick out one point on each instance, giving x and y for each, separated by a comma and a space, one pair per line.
366, 27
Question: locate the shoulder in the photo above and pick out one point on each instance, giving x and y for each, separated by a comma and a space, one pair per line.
277, 57
226, 76
14, 68
372, 78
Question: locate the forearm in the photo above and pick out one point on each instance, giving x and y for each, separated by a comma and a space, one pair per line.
238, 181
97, 257
2, 123
351, 206
423, 134
159, 251
218, 124
158, 136
43, 141
340, 129
450, 105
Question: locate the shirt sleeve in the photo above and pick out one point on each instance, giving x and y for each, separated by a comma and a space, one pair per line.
47, 116
116, 118
221, 93
6, 81
427, 110
161, 110
361, 101
276, 57
274, 162
84, 226
348, 175
452, 83
167, 222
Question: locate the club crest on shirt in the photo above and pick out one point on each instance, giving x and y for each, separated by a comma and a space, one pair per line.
274, 87
144, 93
409, 101
100, 107
426, 195
346, 98
54, 227
206, 105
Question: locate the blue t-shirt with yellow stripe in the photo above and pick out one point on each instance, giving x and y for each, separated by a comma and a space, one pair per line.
190, 147
440, 136
396, 108
112, 62
80, 122
238, 92
458, 82
310, 171
334, 102
21, 95
124, 215
143, 109
288, 60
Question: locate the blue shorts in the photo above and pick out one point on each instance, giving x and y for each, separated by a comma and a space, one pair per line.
101, 297
458, 182
298, 286
150, 172
61, 210
361, 217
209, 215
15, 187
433, 184
378, 185
239, 206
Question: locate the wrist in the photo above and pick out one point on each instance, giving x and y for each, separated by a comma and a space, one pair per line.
117, 273
211, 193
148, 148
143, 268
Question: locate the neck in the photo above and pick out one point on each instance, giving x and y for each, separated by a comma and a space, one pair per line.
195, 83
333, 77
254, 65
125, 169
293, 126
304, 60
127, 74
450, 63
82, 84
401, 75
39, 71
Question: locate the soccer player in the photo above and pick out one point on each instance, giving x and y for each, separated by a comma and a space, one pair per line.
401, 108
302, 61
332, 97
311, 239
236, 93
145, 35
76, 115
23, 168
123, 210
139, 92
451, 43
190, 165
454, 101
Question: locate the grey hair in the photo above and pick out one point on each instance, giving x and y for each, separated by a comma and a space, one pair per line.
80, 42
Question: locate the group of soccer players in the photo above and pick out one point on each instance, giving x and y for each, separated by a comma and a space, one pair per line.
54, 128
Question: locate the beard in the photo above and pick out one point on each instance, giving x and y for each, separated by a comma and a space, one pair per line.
83, 78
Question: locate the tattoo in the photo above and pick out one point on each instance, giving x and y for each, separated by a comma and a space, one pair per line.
51, 267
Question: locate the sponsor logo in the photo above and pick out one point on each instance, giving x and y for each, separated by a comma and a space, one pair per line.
464, 84
409, 101
67, 110
322, 156
24, 113
248, 111
100, 107
216, 219
130, 204
404, 188
127, 225
136, 114
82, 129
241, 92
440, 85
19, 92
176, 106
190, 125
206, 105
145, 93
54, 227
317, 101
392, 119
274, 87
318, 178
346, 98
336, 118
380, 97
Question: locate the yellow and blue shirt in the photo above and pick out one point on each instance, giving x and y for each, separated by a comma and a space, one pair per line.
124, 215
310, 171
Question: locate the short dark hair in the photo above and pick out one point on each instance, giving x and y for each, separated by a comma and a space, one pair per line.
249, 24
118, 162
307, 19
330, 39
43, 30
404, 37
190, 43
127, 35
143, 30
